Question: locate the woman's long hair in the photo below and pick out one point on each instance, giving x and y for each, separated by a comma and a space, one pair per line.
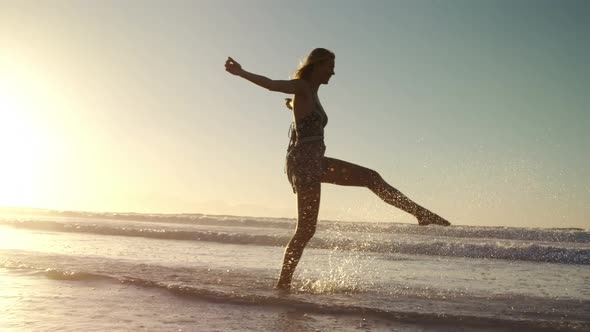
305, 69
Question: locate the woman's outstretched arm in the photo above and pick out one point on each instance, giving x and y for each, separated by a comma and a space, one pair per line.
295, 86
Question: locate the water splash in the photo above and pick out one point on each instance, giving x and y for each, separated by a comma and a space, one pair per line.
344, 270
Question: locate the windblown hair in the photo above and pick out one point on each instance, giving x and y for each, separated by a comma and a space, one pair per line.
306, 68
316, 56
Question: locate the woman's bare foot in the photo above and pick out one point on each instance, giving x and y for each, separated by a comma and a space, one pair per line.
432, 218
283, 288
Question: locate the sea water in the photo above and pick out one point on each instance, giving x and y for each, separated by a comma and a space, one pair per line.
194, 272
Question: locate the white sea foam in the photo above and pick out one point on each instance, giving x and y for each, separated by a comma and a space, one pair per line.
331, 238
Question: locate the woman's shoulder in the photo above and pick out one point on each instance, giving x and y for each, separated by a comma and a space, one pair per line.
303, 88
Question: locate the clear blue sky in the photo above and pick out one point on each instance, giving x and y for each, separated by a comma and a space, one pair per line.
475, 109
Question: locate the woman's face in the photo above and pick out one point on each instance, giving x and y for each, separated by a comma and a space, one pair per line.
325, 70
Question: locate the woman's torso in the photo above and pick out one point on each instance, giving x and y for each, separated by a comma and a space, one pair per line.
311, 126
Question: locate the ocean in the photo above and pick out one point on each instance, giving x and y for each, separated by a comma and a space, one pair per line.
82, 271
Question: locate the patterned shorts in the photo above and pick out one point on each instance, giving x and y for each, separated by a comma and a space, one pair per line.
305, 164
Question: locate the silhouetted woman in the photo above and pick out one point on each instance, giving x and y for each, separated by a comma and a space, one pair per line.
307, 167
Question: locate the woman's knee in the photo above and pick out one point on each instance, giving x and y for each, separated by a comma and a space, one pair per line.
374, 179
304, 234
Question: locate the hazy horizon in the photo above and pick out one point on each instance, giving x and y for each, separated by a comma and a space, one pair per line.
476, 110
31, 211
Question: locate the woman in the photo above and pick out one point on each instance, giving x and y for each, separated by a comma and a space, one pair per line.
307, 167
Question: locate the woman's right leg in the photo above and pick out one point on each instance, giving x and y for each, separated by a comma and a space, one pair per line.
308, 204
343, 173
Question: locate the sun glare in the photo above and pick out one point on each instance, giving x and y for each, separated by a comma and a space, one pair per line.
17, 148
24, 139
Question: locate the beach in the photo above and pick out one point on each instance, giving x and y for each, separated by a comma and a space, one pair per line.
119, 272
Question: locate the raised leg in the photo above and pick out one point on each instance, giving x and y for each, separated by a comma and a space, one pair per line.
348, 174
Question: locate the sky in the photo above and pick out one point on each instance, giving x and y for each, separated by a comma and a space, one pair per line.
477, 110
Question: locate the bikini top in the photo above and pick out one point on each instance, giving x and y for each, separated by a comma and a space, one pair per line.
310, 128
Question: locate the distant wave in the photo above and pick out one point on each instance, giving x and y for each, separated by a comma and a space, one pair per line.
69, 275
440, 246
574, 235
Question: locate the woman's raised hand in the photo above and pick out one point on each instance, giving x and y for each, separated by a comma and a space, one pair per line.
232, 66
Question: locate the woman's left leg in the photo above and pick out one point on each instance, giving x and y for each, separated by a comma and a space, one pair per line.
308, 206
348, 174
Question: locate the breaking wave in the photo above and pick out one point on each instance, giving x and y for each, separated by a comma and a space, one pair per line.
565, 253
